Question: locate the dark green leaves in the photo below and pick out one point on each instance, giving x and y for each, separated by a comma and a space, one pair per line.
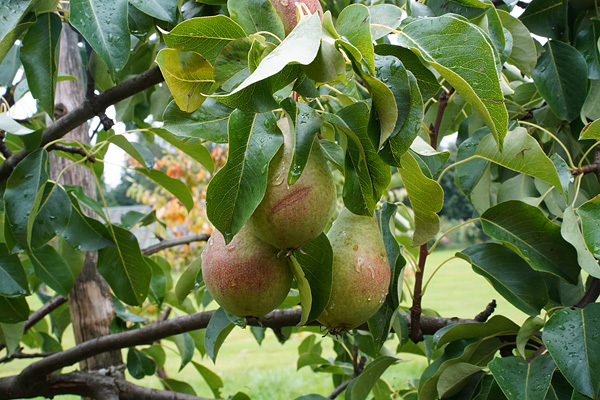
11, 12
256, 15
315, 261
217, 330
590, 215
237, 189
207, 122
52, 269
139, 364
474, 78
104, 26
546, 18
572, 338
354, 24
13, 310
124, 268
13, 281
560, 76
39, 55
174, 186
361, 386
535, 238
519, 379
510, 275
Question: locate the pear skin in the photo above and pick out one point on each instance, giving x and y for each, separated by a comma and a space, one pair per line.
290, 216
286, 9
245, 277
361, 273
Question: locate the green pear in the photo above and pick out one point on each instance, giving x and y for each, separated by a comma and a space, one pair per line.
245, 277
290, 216
286, 9
361, 273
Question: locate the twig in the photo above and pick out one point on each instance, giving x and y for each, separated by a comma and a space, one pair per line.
591, 293
485, 314
6, 152
19, 355
165, 244
87, 110
358, 365
415, 334
73, 150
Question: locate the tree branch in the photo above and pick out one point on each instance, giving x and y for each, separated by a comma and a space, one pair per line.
165, 244
88, 384
358, 365
278, 318
73, 150
485, 314
87, 110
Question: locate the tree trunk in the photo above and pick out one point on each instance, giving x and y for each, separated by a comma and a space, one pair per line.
90, 302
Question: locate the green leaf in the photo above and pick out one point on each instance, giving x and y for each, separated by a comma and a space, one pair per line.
546, 18
456, 377
299, 47
384, 14
361, 386
190, 279
124, 268
157, 353
329, 63
476, 82
496, 326
315, 262
587, 44
530, 327
39, 55
521, 153
185, 345
426, 198
590, 215
217, 330
303, 288
354, 25
11, 12
214, 381
23, 194
231, 65
253, 141
13, 280
373, 175
208, 122
11, 126
84, 233
334, 153
165, 10
138, 364
174, 186
204, 35
53, 215
509, 274
179, 386
519, 379
256, 16
104, 26
139, 152
560, 77
52, 269
571, 336
426, 80
158, 283
570, 231
190, 147
10, 65
14, 310
523, 54
11, 335
527, 231
591, 131
306, 124
188, 75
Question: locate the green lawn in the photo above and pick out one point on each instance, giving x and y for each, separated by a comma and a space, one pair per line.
269, 371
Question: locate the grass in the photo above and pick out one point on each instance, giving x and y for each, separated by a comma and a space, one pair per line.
269, 371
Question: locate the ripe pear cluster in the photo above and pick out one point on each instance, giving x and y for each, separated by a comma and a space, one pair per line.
249, 277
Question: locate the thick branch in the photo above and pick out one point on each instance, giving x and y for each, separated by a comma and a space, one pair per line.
278, 318
165, 244
88, 384
88, 110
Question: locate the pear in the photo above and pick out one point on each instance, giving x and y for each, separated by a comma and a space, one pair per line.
361, 273
290, 216
286, 9
245, 277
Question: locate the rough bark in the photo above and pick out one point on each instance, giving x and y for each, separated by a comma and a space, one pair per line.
90, 302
